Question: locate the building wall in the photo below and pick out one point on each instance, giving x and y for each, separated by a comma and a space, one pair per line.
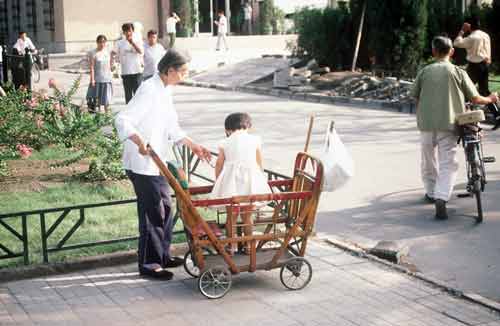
79, 22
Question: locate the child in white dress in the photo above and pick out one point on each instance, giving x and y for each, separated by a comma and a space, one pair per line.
238, 169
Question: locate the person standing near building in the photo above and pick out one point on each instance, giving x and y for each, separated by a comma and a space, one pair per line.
221, 30
172, 28
1, 64
247, 19
478, 47
441, 90
101, 77
130, 51
150, 119
24, 42
153, 52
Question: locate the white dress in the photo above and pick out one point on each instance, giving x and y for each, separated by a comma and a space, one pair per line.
240, 175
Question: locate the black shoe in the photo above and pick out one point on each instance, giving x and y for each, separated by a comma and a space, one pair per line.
441, 213
174, 262
161, 274
429, 199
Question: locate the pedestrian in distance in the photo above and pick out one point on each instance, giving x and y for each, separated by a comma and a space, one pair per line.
441, 90
172, 28
478, 47
101, 77
130, 51
221, 30
150, 119
153, 52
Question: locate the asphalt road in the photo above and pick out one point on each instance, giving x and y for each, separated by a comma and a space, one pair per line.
383, 201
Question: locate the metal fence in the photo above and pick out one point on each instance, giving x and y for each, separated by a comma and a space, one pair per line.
190, 163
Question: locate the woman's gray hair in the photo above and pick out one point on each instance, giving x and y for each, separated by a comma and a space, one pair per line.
172, 59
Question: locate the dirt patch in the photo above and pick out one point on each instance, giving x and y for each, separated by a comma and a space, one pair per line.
32, 175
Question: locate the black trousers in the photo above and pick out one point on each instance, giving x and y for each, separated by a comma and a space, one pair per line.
478, 73
155, 218
130, 84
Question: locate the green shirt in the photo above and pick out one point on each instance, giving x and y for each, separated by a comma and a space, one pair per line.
441, 89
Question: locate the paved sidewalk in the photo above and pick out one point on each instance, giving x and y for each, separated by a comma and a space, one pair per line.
345, 290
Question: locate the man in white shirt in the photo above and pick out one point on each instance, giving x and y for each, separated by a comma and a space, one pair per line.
130, 51
153, 52
221, 30
23, 43
171, 28
150, 119
1, 65
247, 19
478, 47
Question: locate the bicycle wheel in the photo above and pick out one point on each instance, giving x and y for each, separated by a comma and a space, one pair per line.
35, 73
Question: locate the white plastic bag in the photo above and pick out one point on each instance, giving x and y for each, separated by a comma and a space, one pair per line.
337, 162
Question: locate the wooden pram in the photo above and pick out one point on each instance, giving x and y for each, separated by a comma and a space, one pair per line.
284, 229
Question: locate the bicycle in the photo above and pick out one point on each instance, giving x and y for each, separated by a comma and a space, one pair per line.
471, 139
36, 65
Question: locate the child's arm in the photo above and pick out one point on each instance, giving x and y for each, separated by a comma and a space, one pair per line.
219, 163
259, 158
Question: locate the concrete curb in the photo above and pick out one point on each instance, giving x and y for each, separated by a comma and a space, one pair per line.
309, 97
358, 251
85, 263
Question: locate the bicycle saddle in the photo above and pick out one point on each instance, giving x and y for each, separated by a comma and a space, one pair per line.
470, 117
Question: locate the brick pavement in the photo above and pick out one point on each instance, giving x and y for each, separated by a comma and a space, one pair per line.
345, 290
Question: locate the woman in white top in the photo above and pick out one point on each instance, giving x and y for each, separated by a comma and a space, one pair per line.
238, 169
150, 118
221, 30
101, 78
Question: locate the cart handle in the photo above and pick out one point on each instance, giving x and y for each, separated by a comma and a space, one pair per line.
201, 190
251, 199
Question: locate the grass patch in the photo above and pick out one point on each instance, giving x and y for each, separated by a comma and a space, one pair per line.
51, 153
101, 223
494, 85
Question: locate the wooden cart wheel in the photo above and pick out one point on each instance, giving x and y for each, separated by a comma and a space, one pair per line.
215, 282
189, 265
296, 273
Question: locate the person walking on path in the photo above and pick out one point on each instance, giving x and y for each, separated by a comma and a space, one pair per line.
247, 19
150, 119
221, 30
130, 51
101, 77
153, 52
238, 170
441, 90
478, 47
172, 28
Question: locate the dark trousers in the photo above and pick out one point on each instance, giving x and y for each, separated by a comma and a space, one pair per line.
478, 73
130, 85
247, 27
155, 218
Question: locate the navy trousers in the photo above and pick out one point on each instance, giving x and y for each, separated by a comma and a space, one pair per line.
155, 218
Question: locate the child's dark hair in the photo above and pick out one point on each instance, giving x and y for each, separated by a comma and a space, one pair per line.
101, 38
152, 32
237, 121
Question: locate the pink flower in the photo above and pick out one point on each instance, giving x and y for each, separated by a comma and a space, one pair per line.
24, 150
52, 83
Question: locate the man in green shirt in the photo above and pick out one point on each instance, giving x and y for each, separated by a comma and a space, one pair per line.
441, 90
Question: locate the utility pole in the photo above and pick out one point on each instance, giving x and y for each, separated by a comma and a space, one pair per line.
358, 39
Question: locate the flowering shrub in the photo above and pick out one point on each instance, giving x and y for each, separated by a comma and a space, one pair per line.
32, 120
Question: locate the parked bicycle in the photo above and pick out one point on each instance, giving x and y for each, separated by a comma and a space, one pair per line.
36, 64
471, 139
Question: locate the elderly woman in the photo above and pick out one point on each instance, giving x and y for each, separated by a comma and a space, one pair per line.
150, 118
